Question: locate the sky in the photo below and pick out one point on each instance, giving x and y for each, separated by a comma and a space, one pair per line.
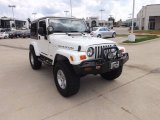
119, 9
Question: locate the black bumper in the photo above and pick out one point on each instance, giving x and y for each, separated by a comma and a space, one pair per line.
98, 66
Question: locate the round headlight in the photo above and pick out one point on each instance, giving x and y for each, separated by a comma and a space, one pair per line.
90, 51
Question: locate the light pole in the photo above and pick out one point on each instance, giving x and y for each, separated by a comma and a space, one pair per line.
34, 15
101, 10
13, 6
133, 16
132, 37
71, 7
66, 12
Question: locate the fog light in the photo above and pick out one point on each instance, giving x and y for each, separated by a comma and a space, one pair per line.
113, 50
110, 55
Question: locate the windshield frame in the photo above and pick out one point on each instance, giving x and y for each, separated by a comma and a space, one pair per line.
76, 19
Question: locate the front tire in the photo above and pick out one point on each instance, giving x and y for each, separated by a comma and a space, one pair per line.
66, 81
35, 63
112, 74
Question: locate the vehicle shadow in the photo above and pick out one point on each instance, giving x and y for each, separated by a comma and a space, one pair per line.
91, 85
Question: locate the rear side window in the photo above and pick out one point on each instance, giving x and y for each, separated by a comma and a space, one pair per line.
43, 25
102, 29
34, 31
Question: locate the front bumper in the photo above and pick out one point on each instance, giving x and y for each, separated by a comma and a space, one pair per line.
98, 66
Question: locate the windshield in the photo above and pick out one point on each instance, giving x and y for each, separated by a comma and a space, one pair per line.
68, 25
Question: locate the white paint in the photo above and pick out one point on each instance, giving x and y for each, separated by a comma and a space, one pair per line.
132, 37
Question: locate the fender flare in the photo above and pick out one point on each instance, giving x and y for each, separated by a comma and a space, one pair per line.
67, 56
35, 46
61, 55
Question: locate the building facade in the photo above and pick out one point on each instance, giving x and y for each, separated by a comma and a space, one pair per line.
95, 22
148, 17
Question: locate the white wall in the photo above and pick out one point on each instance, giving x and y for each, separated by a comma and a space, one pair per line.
145, 12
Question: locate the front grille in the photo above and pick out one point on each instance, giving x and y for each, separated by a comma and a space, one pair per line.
98, 50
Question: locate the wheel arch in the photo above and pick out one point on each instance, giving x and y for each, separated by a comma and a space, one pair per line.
99, 34
34, 46
59, 57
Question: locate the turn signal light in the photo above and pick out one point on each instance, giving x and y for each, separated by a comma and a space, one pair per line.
82, 57
71, 57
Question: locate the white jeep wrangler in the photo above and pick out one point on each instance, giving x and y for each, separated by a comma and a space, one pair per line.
65, 43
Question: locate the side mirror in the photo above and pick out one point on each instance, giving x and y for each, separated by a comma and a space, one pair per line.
50, 30
41, 31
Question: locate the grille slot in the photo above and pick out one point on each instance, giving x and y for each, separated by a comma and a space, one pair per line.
98, 50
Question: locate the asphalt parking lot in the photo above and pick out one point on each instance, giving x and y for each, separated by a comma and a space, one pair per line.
26, 94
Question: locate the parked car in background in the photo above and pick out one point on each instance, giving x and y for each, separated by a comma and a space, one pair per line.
4, 35
25, 34
102, 32
18, 33
12, 34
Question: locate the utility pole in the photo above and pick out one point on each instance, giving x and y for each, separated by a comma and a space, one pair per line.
34, 15
71, 7
66, 12
13, 6
101, 10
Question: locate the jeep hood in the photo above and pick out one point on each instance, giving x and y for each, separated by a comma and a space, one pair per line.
73, 41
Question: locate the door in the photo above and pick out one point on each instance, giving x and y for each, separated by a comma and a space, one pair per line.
102, 32
108, 33
43, 42
152, 25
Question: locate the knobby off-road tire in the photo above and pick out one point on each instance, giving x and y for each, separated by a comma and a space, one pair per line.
63, 72
35, 63
112, 74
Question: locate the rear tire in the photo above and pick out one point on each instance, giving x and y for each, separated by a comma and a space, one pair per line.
112, 74
99, 36
113, 35
71, 82
35, 63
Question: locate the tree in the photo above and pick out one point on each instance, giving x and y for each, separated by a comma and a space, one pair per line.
111, 19
29, 20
